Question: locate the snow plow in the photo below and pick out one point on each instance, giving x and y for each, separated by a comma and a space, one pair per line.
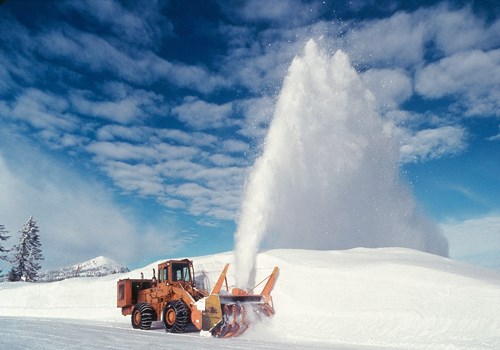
174, 299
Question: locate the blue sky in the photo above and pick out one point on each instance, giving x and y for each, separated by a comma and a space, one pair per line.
128, 128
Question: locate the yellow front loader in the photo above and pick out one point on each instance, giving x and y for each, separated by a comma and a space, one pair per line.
174, 299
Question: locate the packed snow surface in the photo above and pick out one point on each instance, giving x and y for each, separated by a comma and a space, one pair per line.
386, 297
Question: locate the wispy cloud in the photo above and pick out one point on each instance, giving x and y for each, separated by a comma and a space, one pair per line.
123, 151
41, 110
430, 144
495, 137
446, 25
111, 132
118, 103
141, 179
468, 194
235, 146
133, 23
395, 41
475, 75
202, 115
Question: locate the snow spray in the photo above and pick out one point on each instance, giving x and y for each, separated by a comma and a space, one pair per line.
328, 177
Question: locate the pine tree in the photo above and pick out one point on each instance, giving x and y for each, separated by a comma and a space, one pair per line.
3, 237
27, 254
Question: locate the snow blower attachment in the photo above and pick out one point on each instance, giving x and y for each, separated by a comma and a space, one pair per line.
230, 314
174, 299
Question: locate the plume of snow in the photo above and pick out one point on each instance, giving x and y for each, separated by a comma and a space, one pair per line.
328, 177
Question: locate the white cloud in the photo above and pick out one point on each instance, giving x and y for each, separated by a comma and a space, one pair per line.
42, 110
459, 73
122, 151
429, 144
473, 74
202, 115
123, 111
174, 203
179, 169
142, 179
484, 105
59, 140
111, 132
203, 201
147, 134
187, 138
476, 241
191, 190
183, 75
203, 191
395, 41
403, 39
495, 137
144, 25
235, 146
144, 153
460, 30
223, 160
168, 151
118, 102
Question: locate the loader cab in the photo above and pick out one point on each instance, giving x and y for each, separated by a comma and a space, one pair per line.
176, 271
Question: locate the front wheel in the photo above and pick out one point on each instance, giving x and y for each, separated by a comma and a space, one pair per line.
142, 316
175, 316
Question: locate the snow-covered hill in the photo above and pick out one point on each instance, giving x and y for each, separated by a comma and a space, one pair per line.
388, 298
97, 267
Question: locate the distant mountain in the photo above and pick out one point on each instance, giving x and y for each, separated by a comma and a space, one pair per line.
97, 267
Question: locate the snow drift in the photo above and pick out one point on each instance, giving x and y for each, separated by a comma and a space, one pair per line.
388, 297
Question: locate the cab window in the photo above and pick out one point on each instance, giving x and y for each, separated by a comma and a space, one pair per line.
181, 272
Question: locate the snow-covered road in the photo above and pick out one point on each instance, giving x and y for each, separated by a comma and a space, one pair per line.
40, 334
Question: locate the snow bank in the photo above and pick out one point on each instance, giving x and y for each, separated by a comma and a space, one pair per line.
388, 297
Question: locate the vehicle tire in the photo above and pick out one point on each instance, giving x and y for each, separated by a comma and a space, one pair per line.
176, 316
142, 316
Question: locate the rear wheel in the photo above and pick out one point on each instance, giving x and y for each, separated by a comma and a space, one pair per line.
176, 316
142, 316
